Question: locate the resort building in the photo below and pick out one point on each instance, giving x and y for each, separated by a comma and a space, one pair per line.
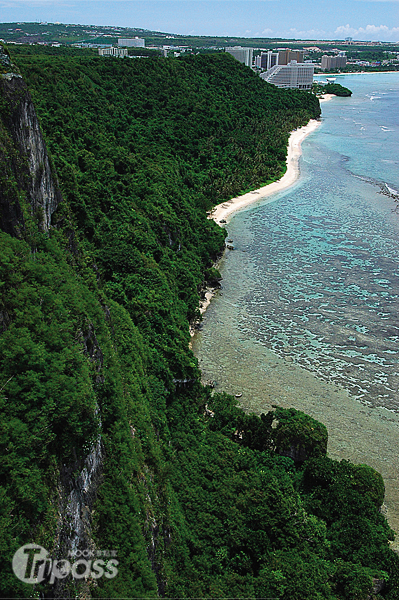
266, 60
286, 56
333, 62
131, 42
243, 55
120, 52
293, 75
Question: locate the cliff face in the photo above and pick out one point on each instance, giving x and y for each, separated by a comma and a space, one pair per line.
63, 382
23, 153
77, 494
28, 198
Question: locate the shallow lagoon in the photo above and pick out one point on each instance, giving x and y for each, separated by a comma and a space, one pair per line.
307, 316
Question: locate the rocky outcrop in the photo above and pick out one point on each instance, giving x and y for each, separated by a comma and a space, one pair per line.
297, 451
378, 586
297, 435
77, 494
23, 150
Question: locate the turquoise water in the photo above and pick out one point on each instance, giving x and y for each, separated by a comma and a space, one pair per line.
314, 275
308, 311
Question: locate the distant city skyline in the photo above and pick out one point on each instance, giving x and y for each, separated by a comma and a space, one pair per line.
307, 19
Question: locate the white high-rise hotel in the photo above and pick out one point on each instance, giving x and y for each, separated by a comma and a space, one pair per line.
284, 68
293, 75
244, 55
333, 62
131, 42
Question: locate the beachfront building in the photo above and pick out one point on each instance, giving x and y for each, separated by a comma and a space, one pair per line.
286, 56
266, 60
333, 62
120, 52
131, 42
272, 59
293, 75
243, 55
260, 61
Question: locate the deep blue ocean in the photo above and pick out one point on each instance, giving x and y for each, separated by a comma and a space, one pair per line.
308, 311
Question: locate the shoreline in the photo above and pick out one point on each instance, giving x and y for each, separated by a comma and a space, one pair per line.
352, 73
361, 437
220, 212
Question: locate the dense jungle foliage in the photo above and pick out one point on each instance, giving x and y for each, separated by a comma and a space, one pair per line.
331, 88
197, 498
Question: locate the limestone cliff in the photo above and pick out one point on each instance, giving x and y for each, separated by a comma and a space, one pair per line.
27, 180
29, 195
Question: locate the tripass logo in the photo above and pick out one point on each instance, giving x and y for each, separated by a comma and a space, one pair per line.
31, 564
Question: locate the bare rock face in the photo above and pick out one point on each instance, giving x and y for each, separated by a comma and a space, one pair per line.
296, 451
26, 153
5, 61
378, 585
77, 494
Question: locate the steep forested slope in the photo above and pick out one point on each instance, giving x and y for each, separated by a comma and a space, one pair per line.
108, 441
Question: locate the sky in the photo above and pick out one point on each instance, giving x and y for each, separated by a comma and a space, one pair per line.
300, 19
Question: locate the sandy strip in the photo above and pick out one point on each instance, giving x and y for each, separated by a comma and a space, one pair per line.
339, 75
226, 209
203, 305
326, 97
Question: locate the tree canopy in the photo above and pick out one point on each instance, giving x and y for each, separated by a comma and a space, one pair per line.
198, 498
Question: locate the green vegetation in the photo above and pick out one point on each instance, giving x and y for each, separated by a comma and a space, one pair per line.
331, 88
44, 33
68, 33
384, 55
336, 89
5, 61
197, 498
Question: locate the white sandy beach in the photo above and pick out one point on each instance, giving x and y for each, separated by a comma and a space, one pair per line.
326, 97
226, 209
